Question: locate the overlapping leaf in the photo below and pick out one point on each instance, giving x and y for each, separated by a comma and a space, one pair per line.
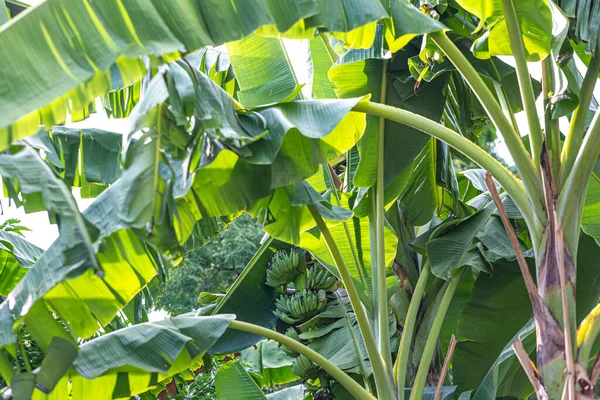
132, 360
17, 255
498, 309
76, 43
535, 22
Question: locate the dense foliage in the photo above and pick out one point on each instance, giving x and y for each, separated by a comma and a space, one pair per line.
383, 273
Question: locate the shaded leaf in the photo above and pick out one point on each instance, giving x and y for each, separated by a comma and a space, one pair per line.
233, 382
498, 309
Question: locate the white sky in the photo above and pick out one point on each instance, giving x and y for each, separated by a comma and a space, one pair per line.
42, 233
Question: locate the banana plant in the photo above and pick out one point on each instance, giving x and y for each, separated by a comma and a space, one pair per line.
348, 160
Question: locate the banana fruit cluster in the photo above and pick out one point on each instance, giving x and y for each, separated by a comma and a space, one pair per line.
321, 279
300, 306
304, 368
283, 268
292, 334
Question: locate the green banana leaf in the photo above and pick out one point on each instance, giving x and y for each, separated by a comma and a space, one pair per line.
290, 393
402, 144
408, 22
262, 70
591, 210
588, 293
86, 158
429, 393
319, 64
130, 361
234, 382
17, 255
41, 189
116, 33
498, 378
126, 265
269, 361
449, 244
535, 22
419, 197
259, 310
499, 307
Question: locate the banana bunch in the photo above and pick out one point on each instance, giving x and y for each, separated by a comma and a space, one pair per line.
282, 268
292, 334
304, 368
320, 278
300, 306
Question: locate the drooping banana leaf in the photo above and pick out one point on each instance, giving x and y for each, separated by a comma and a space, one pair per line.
26, 172
263, 71
534, 18
86, 158
245, 156
17, 255
126, 265
131, 361
407, 21
581, 15
115, 32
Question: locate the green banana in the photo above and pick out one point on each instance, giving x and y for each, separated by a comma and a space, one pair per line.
300, 306
282, 268
291, 333
320, 278
285, 317
304, 368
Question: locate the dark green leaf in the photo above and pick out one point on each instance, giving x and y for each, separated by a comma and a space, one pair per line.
498, 309
233, 382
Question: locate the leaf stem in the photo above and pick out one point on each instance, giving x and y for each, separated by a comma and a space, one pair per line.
401, 365
336, 195
419, 384
382, 378
332, 54
383, 340
572, 196
438, 392
508, 181
502, 96
574, 137
525, 86
551, 126
531, 179
340, 376
373, 252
